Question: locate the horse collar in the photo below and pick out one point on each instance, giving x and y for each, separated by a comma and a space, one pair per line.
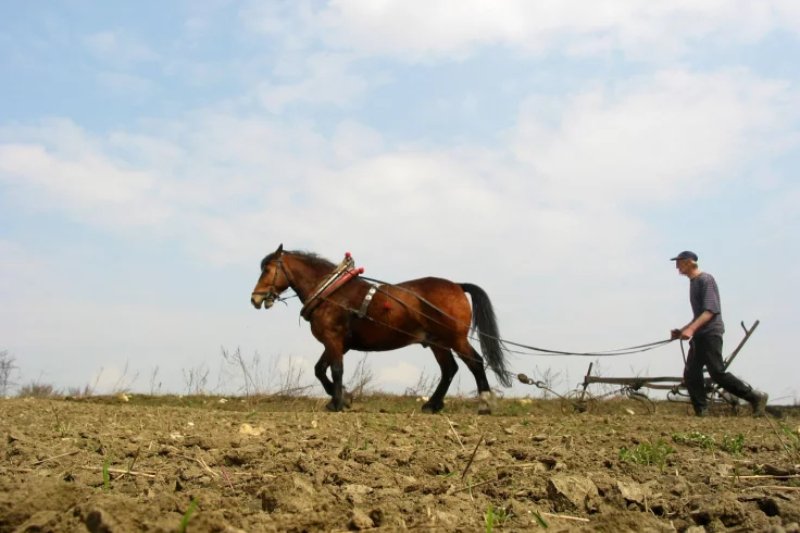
340, 276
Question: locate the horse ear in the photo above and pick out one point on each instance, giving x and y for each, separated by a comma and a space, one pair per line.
279, 250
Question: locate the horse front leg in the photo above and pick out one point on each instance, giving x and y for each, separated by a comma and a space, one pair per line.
333, 359
321, 371
337, 372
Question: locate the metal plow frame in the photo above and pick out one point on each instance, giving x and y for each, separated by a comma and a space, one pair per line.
581, 400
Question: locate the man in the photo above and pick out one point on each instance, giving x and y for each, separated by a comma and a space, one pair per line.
705, 348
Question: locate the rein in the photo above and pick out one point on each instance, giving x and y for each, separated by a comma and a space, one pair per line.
545, 351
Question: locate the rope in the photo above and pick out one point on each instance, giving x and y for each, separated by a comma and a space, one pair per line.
526, 347
606, 353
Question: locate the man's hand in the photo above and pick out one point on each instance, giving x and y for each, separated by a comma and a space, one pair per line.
683, 334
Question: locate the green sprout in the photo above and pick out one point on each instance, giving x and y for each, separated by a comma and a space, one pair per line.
106, 474
733, 445
188, 514
494, 517
647, 453
694, 438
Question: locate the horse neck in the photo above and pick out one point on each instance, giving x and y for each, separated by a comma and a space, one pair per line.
305, 276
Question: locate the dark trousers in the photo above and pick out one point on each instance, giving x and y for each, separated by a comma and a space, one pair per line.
706, 351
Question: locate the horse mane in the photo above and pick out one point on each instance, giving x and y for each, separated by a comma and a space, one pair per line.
311, 258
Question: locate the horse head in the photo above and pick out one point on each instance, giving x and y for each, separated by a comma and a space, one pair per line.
274, 279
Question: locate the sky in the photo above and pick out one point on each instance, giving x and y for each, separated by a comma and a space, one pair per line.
557, 154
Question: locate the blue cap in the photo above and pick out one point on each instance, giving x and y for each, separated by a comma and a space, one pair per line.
685, 255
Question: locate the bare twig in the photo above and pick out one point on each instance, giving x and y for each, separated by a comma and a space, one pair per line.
453, 429
564, 516
119, 471
470, 487
772, 487
471, 457
207, 468
59, 456
135, 458
765, 476
359, 383
203, 464
7, 368
523, 465
252, 474
226, 477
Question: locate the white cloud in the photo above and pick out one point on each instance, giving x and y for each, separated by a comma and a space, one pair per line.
352, 141
89, 186
248, 183
325, 79
651, 138
452, 28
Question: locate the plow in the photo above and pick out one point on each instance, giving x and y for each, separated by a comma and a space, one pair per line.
601, 393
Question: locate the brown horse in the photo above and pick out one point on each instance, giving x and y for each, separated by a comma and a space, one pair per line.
356, 315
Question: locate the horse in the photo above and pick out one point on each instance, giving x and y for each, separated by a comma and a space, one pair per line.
348, 313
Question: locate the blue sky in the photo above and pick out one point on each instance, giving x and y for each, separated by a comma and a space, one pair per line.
557, 154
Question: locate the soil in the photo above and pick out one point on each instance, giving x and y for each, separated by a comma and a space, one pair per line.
209, 464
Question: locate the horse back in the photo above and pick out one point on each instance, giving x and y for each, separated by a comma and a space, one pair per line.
436, 301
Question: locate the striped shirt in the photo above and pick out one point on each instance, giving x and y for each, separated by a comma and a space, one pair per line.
704, 296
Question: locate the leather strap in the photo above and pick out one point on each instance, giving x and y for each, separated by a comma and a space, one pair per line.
362, 312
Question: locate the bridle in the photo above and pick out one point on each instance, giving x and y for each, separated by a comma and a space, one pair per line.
270, 295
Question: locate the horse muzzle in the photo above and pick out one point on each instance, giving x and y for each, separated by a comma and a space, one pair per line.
263, 299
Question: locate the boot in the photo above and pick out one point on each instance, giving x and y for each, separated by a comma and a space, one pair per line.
759, 402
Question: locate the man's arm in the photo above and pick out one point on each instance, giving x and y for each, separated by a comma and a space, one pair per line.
688, 330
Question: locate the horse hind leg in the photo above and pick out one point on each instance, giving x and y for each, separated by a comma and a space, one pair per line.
448, 366
474, 362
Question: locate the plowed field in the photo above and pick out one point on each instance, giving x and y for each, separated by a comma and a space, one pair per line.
202, 464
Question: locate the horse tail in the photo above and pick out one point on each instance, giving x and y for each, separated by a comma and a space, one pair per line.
485, 322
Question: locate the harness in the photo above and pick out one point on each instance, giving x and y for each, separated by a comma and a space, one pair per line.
362, 311
336, 279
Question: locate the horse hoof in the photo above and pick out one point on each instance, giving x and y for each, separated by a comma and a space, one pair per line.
332, 407
485, 403
431, 408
